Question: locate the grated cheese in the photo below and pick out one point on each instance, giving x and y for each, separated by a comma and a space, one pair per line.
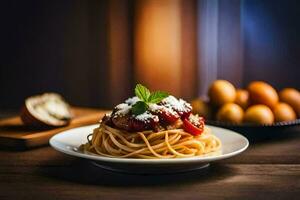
170, 104
178, 105
155, 108
122, 109
194, 119
132, 100
146, 117
158, 109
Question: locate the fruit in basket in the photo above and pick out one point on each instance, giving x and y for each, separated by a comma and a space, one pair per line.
49, 109
259, 114
262, 93
230, 112
283, 112
202, 108
291, 96
221, 92
242, 98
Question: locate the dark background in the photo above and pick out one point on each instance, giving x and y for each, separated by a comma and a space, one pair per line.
271, 41
52, 46
61, 46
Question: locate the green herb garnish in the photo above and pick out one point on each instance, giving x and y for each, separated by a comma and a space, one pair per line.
142, 92
139, 107
146, 97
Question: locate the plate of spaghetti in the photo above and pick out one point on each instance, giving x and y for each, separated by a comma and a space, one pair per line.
152, 132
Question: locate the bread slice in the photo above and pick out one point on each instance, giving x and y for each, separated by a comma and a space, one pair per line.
49, 109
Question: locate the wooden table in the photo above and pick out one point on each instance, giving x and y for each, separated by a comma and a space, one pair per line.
269, 170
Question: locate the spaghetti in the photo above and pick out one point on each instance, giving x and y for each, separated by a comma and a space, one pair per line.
152, 125
176, 143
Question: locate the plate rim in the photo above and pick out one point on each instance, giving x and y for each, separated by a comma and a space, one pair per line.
99, 158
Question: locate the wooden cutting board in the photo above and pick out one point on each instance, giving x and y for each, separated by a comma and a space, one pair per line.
15, 135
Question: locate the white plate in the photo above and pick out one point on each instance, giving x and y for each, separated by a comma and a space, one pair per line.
68, 142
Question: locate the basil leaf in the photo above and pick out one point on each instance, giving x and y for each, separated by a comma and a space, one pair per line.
139, 108
157, 96
142, 92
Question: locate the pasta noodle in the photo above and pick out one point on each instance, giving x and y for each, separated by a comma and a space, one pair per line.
174, 143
